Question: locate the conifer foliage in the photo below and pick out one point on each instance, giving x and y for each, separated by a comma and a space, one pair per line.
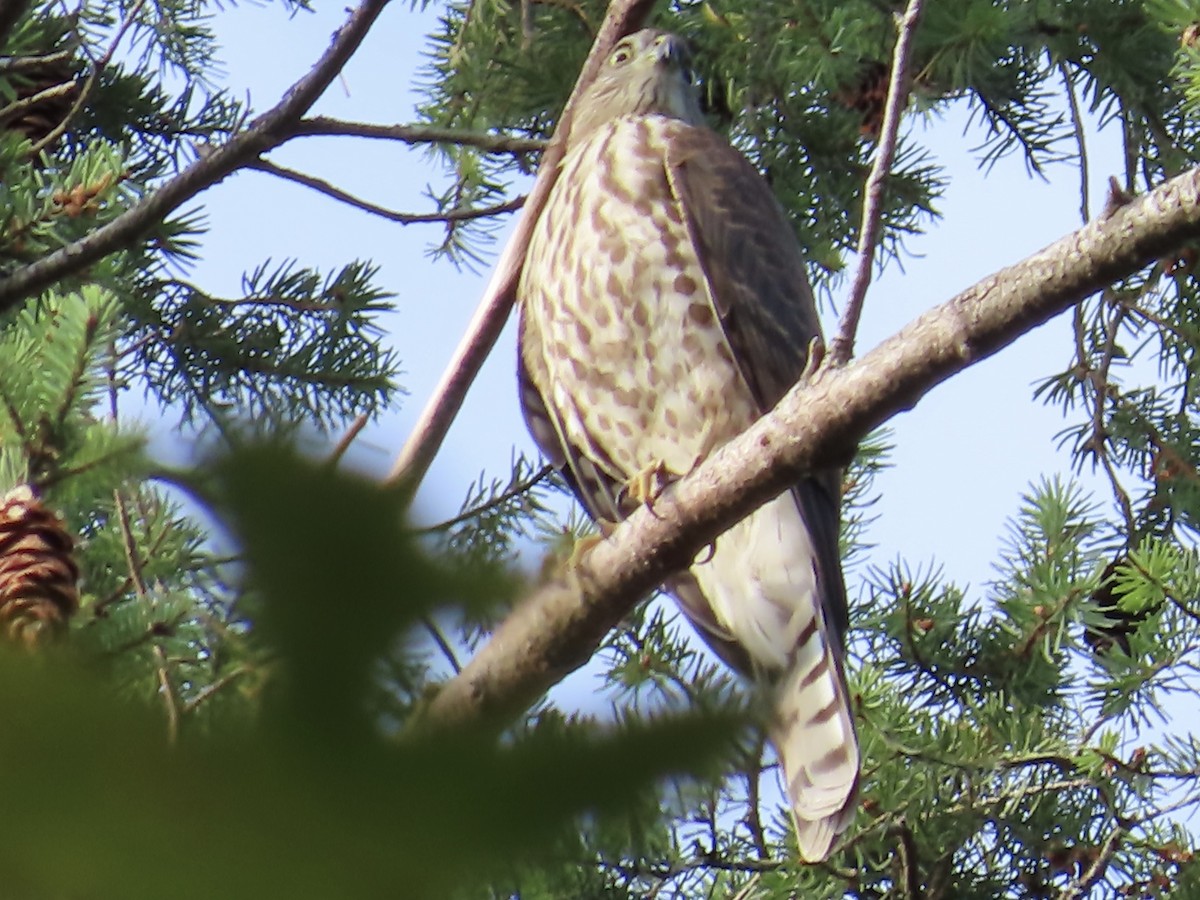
258, 643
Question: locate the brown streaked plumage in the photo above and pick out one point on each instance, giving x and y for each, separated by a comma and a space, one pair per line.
664, 306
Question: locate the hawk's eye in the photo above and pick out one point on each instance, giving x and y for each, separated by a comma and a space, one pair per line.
621, 55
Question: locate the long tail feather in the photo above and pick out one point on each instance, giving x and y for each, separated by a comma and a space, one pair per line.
816, 744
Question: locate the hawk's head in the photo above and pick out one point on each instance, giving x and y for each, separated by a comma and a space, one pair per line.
647, 72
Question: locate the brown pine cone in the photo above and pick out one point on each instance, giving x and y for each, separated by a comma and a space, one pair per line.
38, 576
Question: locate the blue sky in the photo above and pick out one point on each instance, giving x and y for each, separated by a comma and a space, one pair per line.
963, 456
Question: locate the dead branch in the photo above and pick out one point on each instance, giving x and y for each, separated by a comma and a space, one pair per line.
842, 346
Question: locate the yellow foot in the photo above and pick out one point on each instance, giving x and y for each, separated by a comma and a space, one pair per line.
647, 485
568, 551
583, 546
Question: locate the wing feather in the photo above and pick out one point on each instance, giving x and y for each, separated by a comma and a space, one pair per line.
596, 490
760, 291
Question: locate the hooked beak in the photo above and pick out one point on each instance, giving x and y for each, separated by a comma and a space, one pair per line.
671, 50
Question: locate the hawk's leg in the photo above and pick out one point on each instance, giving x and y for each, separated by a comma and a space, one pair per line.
562, 559
584, 544
648, 485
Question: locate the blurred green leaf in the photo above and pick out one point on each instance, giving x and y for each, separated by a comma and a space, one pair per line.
340, 575
97, 805
315, 802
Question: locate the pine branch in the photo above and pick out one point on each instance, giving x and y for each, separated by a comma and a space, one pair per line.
344, 442
842, 347
1094, 872
263, 134
25, 104
15, 65
415, 134
167, 691
623, 17
556, 629
1077, 129
329, 190
514, 491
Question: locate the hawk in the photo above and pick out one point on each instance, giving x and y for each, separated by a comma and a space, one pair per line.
664, 307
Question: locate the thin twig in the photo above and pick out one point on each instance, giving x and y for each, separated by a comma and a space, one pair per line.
23, 105
139, 344
1095, 390
134, 565
499, 500
133, 562
131, 555
443, 644
1080, 141
753, 813
842, 347
170, 700
413, 461
266, 300
347, 439
101, 606
210, 690
707, 861
906, 852
1101, 389
264, 133
13, 65
329, 190
317, 126
1096, 870
749, 889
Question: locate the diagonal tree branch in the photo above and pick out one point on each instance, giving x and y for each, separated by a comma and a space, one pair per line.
267, 131
623, 17
842, 346
556, 629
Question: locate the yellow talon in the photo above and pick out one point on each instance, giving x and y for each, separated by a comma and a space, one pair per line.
583, 546
647, 485
567, 551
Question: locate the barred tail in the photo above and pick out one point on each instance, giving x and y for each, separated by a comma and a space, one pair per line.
815, 741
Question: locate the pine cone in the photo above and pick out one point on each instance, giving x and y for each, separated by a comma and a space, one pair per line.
38, 575
44, 82
43, 117
1118, 624
868, 97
